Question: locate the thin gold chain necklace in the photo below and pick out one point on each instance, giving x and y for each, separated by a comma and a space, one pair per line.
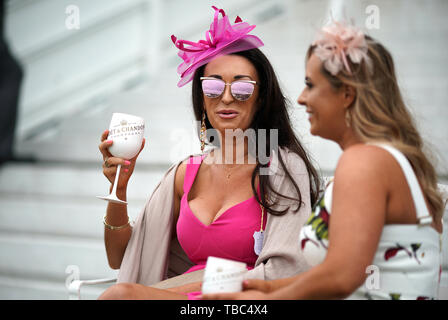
229, 172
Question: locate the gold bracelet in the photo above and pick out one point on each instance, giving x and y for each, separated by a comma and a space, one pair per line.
114, 227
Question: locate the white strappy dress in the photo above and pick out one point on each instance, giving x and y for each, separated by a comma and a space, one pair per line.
407, 262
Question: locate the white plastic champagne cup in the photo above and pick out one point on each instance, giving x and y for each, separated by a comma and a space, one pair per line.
127, 132
223, 275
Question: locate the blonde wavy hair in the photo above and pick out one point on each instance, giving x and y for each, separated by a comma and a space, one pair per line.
379, 114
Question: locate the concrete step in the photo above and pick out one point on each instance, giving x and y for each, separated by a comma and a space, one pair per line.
45, 256
71, 181
50, 219
54, 216
12, 288
33, 266
169, 128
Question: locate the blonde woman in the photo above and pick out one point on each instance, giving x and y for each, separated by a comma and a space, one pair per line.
381, 216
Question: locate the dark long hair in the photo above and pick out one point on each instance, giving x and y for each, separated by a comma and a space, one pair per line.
271, 114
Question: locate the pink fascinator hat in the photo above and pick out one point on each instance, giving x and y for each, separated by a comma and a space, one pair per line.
338, 42
222, 38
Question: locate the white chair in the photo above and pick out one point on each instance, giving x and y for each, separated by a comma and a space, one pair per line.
74, 288
175, 273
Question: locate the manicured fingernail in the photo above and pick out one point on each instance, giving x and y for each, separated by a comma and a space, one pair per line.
126, 163
126, 170
109, 141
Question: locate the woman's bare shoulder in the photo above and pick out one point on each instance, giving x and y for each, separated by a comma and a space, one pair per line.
368, 161
365, 155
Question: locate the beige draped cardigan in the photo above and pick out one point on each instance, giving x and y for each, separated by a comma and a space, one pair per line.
154, 254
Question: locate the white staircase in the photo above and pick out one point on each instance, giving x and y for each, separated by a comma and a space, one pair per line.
49, 216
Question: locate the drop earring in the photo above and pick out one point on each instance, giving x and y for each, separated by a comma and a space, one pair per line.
348, 118
203, 132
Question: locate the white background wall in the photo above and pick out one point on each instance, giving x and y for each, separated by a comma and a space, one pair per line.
122, 59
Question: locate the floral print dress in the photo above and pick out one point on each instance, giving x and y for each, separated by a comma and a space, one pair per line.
407, 262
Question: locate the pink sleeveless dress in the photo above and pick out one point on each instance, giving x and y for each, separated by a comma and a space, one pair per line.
230, 236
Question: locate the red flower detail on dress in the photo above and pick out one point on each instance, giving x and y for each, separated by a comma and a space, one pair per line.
304, 241
392, 252
324, 215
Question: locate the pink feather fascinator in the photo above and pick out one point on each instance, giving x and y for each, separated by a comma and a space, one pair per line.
338, 42
222, 38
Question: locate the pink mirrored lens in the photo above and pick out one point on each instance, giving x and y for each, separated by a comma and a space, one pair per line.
213, 88
242, 90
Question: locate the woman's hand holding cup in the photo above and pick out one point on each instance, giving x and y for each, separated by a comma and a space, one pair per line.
125, 141
110, 163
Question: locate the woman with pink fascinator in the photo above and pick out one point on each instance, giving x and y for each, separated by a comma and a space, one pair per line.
232, 200
376, 231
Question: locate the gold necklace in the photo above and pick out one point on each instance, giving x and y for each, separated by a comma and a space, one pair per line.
229, 172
